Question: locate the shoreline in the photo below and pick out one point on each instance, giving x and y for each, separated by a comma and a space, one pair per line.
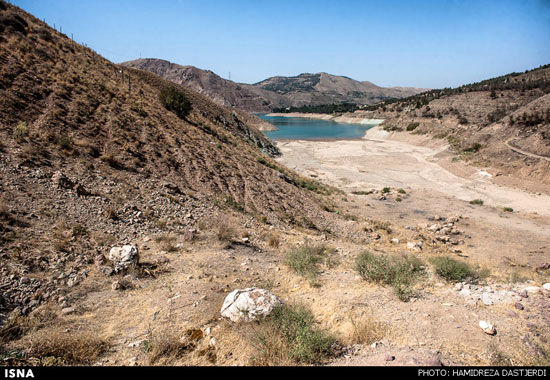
345, 118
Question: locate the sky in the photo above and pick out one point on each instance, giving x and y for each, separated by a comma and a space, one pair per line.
420, 43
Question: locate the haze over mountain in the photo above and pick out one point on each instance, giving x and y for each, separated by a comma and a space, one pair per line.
275, 92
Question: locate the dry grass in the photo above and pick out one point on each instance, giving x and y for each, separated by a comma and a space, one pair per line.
290, 336
169, 345
167, 242
366, 330
66, 348
274, 240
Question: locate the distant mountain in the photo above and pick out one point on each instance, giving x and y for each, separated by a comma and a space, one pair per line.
221, 91
275, 92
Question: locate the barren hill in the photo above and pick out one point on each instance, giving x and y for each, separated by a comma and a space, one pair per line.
94, 154
275, 92
502, 122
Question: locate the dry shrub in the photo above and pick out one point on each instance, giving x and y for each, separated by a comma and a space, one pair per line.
225, 231
366, 330
167, 242
170, 345
67, 348
274, 240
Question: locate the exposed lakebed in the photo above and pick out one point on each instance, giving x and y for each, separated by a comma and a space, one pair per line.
300, 128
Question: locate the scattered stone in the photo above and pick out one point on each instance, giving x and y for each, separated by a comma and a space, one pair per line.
248, 304
487, 328
395, 241
389, 358
61, 181
518, 306
546, 286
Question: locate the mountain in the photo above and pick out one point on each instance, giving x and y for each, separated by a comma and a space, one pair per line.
275, 92
323, 88
221, 91
94, 155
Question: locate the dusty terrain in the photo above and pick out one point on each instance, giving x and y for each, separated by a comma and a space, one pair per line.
96, 156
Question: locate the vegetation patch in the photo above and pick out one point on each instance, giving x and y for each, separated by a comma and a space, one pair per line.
476, 202
290, 335
67, 348
174, 100
400, 272
412, 126
306, 260
456, 271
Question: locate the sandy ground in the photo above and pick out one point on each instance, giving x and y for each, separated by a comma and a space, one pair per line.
376, 162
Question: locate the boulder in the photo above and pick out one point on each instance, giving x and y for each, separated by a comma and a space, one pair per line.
546, 286
243, 305
124, 257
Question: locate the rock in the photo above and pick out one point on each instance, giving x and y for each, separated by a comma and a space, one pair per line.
518, 306
414, 245
389, 358
80, 190
116, 285
487, 328
434, 362
68, 310
546, 286
61, 181
531, 290
248, 304
124, 257
395, 241
99, 260
523, 294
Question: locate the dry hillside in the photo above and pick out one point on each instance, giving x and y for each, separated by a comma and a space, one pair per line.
91, 157
502, 122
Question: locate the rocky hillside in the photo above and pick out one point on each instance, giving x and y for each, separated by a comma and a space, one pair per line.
323, 88
275, 92
95, 154
502, 122
221, 91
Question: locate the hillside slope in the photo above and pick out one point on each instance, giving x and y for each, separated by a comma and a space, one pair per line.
501, 122
91, 157
275, 92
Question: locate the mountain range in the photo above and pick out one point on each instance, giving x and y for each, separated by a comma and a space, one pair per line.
274, 92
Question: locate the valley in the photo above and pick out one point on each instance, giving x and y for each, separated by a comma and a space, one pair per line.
147, 218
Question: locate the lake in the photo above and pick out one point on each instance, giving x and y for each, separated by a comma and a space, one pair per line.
299, 128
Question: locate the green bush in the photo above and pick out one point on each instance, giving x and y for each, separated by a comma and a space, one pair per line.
455, 271
305, 260
476, 202
412, 126
21, 131
400, 272
290, 332
174, 99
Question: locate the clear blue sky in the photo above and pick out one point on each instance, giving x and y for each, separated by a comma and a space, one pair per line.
430, 43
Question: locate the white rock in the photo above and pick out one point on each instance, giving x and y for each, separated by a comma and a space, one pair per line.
395, 241
532, 289
124, 256
249, 304
487, 327
546, 286
414, 245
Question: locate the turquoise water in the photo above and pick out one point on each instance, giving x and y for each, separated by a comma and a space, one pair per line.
298, 128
